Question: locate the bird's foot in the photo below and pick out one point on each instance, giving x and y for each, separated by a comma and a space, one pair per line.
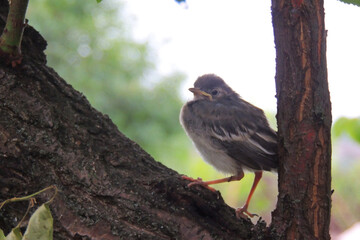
244, 213
198, 181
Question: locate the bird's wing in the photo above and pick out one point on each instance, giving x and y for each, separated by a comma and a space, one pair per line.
244, 132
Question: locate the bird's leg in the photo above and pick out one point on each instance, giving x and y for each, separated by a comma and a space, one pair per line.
243, 212
206, 184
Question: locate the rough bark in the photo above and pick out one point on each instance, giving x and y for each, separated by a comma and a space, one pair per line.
109, 188
304, 121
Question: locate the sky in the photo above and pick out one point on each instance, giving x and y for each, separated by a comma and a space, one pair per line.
234, 39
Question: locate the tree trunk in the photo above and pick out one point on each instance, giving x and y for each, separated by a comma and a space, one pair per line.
109, 188
304, 121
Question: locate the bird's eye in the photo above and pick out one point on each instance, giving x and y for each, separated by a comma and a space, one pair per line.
214, 92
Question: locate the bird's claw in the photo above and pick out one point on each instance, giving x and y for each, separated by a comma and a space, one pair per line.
244, 213
198, 181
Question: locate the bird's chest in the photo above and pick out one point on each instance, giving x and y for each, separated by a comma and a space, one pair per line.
218, 158
197, 129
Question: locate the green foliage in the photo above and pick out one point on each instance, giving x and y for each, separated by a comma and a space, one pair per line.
348, 126
354, 2
91, 47
15, 234
345, 172
40, 225
346, 196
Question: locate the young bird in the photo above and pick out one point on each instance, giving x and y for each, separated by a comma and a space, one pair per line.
230, 134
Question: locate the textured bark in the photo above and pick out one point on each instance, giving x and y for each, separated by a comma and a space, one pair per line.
304, 121
109, 188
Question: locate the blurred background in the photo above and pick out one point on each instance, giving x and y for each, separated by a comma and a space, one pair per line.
134, 61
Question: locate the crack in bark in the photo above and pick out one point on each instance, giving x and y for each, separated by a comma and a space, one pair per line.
305, 67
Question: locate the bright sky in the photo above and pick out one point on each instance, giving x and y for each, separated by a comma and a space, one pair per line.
234, 39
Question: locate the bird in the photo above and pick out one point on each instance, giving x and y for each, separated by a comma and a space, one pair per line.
230, 133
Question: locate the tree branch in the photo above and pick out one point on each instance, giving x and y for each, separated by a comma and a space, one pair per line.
10, 40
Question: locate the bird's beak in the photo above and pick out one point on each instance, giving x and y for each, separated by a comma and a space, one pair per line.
198, 92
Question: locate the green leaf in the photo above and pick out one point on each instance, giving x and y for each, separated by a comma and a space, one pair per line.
354, 2
98, 1
349, 126
40, 225
15, 234
2, 235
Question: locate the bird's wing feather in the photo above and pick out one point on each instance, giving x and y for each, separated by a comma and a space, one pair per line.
244, 132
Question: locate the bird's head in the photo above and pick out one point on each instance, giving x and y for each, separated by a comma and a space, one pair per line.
211, 87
